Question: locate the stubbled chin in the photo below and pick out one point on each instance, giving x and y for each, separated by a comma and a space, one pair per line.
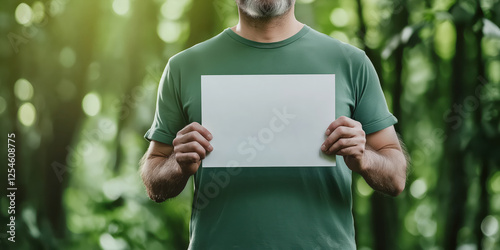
266, 9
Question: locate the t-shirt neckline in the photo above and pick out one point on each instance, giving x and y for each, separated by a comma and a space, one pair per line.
272, 45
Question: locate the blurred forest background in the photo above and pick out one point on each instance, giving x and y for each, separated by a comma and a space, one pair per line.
78, 83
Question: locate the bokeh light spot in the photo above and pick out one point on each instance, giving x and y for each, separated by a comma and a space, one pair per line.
109, 242
29, 218
27, 114
173, 9
67, 57
363, 188
121, 7
169, 31
23, 89
339, 17
113, 189
418, 188
493, 72
91, 104
495, 183
489, 226
24, 14
410, 224
38, 12
445, 42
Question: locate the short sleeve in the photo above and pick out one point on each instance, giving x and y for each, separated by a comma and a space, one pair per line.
371, 108
169, 116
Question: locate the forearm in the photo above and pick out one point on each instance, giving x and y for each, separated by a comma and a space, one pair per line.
385, 170
162, 177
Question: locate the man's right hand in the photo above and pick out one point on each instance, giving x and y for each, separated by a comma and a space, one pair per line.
191, 145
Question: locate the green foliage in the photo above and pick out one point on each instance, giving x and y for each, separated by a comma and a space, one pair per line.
78, 86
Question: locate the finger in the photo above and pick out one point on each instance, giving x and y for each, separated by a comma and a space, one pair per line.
345, 143
190, 157
190, 137
342, 121
194, 126
191, 147
340, 132
354, 151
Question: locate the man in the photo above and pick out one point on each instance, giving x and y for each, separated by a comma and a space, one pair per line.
272, 208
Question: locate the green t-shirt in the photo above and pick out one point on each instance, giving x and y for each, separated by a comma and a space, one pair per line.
271, 207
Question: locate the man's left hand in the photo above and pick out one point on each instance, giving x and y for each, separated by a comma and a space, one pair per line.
347, 138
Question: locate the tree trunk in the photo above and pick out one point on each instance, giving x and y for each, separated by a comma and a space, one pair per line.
484, 170
456, 167
66, 119
384, 213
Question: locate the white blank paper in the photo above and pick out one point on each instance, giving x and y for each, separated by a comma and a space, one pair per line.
268, 120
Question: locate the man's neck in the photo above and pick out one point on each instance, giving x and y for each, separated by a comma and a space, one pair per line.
268, 30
